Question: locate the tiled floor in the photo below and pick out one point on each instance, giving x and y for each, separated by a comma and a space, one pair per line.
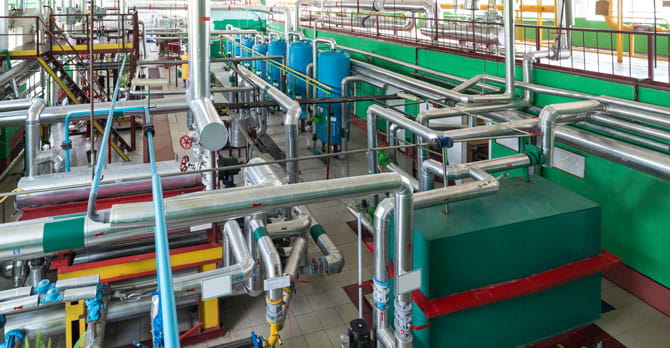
320, 310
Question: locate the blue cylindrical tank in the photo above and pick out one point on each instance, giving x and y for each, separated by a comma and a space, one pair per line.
299, 56
276, 48
332, 67
237, 47
259, 65
247, 42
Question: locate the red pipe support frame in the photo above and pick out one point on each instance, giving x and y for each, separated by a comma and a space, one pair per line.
433, 308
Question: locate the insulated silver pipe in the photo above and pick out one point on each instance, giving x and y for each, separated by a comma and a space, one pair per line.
199, 47
398, 84
510, 51
440, 74
213, 133
268, 253
292, 112
32, 143
632, 127
383, 214
78, 112
359, 66
15, 104
52, 320
552, 114
439, 138
346, 111
527, 66
462, 171
647, 161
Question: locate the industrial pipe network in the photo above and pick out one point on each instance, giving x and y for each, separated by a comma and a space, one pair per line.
253, 219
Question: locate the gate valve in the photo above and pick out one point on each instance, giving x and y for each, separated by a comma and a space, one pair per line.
186, 142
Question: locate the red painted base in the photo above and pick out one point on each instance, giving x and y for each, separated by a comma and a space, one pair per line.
648, 290
195, 338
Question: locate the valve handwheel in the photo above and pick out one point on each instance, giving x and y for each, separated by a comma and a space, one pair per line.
183, 163
186, 142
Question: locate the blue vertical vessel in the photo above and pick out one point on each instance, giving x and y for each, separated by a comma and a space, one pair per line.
299, 56
247, 42
276, 48
332, 67
260, 67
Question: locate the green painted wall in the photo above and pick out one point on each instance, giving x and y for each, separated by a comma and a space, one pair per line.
634, 205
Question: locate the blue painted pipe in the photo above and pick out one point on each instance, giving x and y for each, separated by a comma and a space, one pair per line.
67, 140
103, 148
163, 266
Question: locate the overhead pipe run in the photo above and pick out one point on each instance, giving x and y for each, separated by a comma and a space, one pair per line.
552, 114
213, 133
292, 112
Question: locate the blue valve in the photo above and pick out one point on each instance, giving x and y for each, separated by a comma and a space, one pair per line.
44, 286
52, 296
444, 141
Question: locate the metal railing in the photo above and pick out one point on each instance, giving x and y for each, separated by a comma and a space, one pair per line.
594, 51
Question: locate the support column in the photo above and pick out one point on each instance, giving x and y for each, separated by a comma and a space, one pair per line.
209, 309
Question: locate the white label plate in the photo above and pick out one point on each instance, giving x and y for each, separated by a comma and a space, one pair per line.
510, 143
277, 283
409, 281
570, 162
202, 227
216, 287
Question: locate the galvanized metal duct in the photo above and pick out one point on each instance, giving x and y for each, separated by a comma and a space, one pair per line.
213, 133
292, 112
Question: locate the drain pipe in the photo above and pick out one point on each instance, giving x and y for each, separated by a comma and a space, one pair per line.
213, 133
291, 118
552, 114
33, 135
484, 185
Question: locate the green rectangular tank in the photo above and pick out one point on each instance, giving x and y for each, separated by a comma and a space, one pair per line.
528, 227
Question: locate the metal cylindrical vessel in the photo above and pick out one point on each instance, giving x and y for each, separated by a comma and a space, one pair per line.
299, 56
276, 48
260, 67
333, 66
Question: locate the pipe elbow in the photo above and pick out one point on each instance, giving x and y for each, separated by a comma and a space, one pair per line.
292, 115
37, 105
